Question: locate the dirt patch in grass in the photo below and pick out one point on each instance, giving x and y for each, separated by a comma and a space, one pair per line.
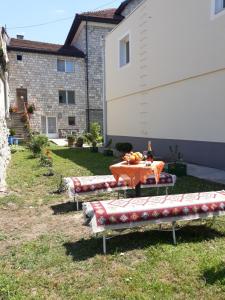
21, 225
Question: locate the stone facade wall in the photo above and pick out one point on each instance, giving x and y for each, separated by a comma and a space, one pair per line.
80, 42
38, 74
130, 7
4, 150
4, 147
96, 34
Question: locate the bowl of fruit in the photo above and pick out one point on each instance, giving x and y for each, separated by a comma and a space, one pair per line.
133, 158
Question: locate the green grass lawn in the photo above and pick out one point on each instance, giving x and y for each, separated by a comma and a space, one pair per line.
46, 253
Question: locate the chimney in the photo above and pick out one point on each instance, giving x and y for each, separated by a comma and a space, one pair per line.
19, 36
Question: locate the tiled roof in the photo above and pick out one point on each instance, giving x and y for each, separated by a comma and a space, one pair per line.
101, 16
106, 13
45, 48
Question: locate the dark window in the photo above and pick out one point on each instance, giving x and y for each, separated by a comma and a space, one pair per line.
60, 65
127, 52
62, 97
71, 97
71, 121
219, 6
19, 57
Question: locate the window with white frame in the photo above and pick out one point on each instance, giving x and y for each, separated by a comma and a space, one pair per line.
219, 6
66, 66
125, 51
66, 97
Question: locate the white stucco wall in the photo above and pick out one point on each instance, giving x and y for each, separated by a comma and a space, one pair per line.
174, 86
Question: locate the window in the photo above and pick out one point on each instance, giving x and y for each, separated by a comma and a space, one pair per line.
60, 65
219, 6
124, 51
62, 97
19, 57
69, 67
71, 97
71, 121
65, 66
66, 97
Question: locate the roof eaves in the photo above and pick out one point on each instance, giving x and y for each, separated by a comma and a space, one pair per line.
79, 18
78, 54
122, 7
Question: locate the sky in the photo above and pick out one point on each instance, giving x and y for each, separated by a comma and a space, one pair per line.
14, 13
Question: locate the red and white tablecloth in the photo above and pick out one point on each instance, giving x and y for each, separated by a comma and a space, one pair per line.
125, 213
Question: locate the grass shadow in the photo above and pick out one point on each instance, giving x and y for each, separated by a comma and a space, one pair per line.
64, 208
215, 275
96, 163
85, 249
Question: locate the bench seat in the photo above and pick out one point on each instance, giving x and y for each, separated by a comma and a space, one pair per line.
135, 212
78, 186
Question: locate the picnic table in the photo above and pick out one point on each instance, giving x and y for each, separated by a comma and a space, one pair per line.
136, 174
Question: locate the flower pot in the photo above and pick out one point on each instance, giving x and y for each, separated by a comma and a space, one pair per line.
178, 169
70, 143
94, 149
108, 152
10, 139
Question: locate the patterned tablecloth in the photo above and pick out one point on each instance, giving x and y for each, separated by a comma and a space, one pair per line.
104, 215
135, 174
103, 183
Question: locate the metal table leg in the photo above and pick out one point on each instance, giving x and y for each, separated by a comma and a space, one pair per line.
174, 232
104, 244
77, 202
138, 190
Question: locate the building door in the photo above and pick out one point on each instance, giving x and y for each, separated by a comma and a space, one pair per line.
49, 127
21, 99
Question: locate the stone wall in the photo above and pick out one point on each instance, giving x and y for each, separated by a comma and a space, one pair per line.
38, 74
130, 7
95, 36
4, 148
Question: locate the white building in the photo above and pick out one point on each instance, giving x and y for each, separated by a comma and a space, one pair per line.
165, 79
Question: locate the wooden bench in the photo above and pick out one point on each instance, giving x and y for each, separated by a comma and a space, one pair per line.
78, 186
119, 214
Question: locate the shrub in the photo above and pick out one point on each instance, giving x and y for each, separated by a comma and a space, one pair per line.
13, 109
12, 131
94, 136
37, 144
175, 154
80, 141
46, 160
31, 108
124, 147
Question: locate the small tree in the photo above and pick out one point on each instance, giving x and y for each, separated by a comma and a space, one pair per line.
37, 144
94, 136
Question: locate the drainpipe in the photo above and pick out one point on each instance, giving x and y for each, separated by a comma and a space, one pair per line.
104, 94
87, 82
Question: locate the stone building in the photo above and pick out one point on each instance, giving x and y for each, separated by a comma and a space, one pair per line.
64, 82
4, 105
52, 78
